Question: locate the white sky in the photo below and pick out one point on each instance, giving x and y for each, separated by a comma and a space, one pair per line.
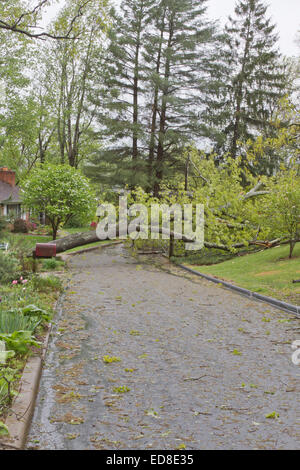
285, 14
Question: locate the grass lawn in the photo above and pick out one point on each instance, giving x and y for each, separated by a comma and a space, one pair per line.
31, 240
76, 230
269, 272
91, 245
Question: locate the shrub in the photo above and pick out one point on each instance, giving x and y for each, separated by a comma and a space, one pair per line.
3, 224
31, 226
20, 247
8, 267
50, 264
20, 226
77, 221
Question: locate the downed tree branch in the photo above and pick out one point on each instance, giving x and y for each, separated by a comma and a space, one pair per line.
229, 224
198, 171
85, 238
254, 192
264, 244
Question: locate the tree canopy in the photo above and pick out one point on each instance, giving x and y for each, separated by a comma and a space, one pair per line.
154, 97
60, 192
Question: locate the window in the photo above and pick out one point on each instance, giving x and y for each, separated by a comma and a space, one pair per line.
14, 210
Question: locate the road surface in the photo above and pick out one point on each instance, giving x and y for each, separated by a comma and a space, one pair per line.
193, 366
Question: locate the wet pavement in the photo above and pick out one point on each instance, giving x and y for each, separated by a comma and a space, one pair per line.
193, 366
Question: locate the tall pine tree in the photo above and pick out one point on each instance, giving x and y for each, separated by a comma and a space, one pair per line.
178, 48
119, 101
155, 80
251, 81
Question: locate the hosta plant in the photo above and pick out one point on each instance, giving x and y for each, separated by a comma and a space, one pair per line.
19, 341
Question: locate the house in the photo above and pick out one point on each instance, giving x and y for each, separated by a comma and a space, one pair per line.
10, 199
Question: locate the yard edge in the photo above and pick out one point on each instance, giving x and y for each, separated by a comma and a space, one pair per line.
20, 414
19, 417
280, 304
86, 250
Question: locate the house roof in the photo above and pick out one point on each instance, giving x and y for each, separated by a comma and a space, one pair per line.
9, 194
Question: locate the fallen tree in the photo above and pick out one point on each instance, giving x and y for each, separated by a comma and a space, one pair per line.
86, 238
75, 240
82, 239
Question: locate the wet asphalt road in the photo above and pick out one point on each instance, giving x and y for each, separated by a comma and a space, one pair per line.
197, 366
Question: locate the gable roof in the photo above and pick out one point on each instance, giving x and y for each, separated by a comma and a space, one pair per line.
9, 194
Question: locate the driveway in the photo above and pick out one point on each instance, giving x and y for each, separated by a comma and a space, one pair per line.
146, 356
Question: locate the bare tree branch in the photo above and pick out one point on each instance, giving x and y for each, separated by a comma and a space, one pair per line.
16, 26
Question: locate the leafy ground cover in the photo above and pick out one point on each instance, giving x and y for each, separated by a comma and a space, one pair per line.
26, 307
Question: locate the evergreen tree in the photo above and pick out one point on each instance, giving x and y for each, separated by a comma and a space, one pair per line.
155, 80
251, 79
118, 99
178, 49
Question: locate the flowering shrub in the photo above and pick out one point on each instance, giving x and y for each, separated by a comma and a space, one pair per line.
20, 226
31, 226
20, 281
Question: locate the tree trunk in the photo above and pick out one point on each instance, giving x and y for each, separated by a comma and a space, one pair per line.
292, 246
74, 240
85, 238
239, 96
135, 105
159, 173
155, 108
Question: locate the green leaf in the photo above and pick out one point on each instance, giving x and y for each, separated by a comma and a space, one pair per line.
3, 429
19, 341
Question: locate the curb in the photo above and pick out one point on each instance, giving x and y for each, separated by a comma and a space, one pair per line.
19, 418
245, 292
20, 414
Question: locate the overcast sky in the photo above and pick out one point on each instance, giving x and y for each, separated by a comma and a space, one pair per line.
285, 14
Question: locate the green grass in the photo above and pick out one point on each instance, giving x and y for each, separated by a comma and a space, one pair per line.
90, 245
32, 240
76, 229
268, 272
53, 264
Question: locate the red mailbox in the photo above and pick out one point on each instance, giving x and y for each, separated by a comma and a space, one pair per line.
45, 250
